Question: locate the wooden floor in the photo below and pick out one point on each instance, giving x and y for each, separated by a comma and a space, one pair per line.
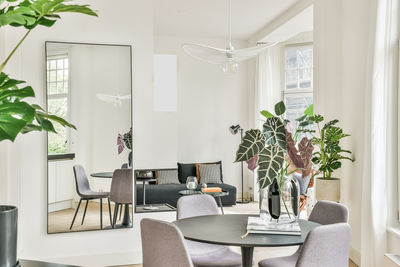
259, 253
60, 221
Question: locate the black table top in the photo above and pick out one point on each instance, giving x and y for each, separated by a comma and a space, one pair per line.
102, 174
228, 229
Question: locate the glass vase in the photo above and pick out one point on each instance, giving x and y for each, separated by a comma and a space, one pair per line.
280, 201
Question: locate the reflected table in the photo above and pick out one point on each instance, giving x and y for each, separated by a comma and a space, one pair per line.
126, 221
228, 230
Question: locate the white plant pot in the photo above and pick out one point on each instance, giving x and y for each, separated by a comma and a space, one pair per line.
327, 189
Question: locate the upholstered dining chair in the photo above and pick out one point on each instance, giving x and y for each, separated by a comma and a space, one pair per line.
163, 245
121, 192
86, 193
203, 254
326, 245
123, 166
325, 212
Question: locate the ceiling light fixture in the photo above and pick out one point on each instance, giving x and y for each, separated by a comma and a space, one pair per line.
228, 57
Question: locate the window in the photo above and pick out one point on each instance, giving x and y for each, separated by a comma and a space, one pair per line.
298, 81
58, 100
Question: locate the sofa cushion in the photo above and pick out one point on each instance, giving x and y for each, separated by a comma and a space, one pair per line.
210, 173
167, 177
189, 169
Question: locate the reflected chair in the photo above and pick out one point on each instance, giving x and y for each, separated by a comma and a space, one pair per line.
203, 254
163, 245
325, 212
123, 166
326, 245
121, 192
86, 193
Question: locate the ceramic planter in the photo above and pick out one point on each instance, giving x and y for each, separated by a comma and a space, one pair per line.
8, 236
327, 189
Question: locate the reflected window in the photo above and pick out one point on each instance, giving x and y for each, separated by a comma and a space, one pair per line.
298, 85
58, 100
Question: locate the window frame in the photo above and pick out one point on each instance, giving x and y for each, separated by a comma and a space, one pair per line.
295, 92
58, 54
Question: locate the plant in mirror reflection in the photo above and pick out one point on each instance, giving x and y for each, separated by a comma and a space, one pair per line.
16, 115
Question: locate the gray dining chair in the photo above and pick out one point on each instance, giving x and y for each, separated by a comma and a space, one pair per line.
326, 245
329, 212
86, 193
123, 166
325, 212
121, 192
163, 245
203, 254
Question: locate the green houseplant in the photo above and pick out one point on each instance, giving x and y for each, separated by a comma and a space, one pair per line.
329, 156
16, 115
272, 150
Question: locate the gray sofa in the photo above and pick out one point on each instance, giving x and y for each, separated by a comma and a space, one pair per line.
169, 193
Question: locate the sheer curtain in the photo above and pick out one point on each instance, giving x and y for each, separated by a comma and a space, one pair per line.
381, 107
268, 88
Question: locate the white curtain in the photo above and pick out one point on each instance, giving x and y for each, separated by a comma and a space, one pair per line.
268, 89
268, 81
380, 108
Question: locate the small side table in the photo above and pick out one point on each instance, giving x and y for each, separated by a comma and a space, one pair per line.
144, 180
217, 195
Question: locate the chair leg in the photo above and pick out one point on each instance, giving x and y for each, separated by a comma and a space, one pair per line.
120, 212
84, 213
115, 214
76, 212
101, 213
109, 210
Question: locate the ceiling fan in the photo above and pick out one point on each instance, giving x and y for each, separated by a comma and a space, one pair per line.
228, 57
113, 99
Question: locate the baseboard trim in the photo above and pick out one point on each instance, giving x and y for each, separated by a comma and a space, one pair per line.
355, 256
100, 260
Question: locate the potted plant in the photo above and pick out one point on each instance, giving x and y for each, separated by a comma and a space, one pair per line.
274, 153
125, 141
16, 115
329, 155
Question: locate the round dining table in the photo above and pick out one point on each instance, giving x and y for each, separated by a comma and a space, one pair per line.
230, 230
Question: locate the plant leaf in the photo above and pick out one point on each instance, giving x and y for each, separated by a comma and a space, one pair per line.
270, 161
274, 132
309, 111
267, 114
280, 108
252, 143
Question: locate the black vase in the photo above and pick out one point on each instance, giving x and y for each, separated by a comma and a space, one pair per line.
274, 201
8, 236
130, 160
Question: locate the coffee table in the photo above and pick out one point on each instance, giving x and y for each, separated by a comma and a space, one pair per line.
217, 195
144, 180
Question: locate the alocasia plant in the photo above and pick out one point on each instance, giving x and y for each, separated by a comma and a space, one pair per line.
16, 115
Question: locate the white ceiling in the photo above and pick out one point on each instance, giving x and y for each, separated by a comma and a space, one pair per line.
209, 18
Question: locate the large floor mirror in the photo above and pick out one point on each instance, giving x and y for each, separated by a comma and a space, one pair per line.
90, 179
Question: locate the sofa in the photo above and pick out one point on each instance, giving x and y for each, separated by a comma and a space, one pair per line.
169, 193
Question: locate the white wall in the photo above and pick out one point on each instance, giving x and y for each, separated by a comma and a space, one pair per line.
209, 102
125, 22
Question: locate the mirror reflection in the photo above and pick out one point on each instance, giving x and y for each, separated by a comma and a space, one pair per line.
90, 185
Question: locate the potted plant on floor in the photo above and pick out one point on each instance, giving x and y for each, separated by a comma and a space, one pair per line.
274, 153
329, 156
16, 115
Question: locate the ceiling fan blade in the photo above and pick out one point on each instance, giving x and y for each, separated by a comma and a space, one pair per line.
207, 53
247, 53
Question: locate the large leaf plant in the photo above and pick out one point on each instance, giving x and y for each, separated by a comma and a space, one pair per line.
330, 154
16, 115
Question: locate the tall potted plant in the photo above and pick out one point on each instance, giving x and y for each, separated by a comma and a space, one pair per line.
16, 115
329, 156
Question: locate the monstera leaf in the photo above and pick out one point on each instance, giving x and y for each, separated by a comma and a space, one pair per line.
270, 161
252, 143
274, 132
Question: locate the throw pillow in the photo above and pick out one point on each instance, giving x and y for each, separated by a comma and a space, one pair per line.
185, 170
210, 174
168, 177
